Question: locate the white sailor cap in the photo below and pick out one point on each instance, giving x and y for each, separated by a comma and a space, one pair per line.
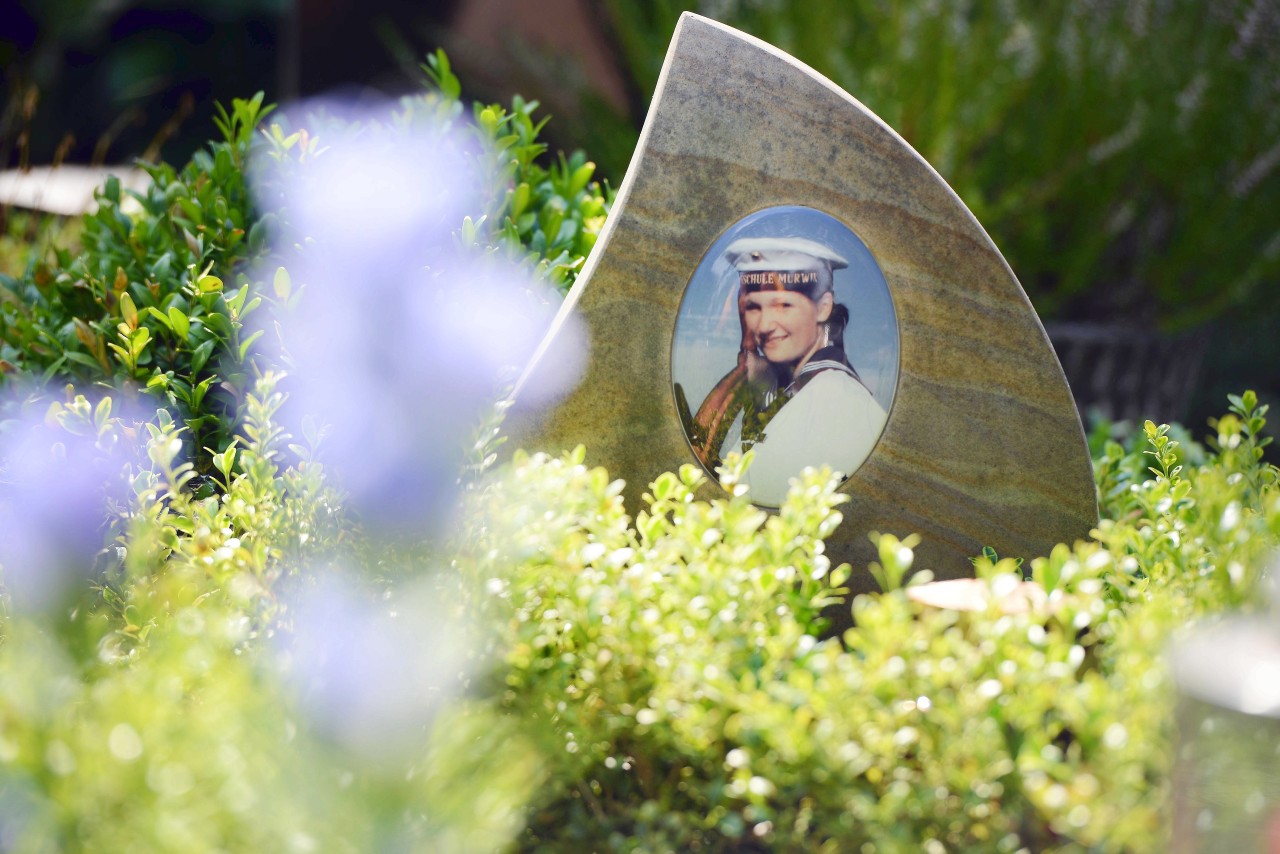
784, 264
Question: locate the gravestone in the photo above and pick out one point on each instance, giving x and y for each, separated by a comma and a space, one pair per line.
758, 187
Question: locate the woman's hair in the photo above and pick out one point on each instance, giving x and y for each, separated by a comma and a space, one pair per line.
836, 323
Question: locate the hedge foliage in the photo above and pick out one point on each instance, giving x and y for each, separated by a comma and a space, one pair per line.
693, 706
235, 665
158, 296
656, 683
1121, 154
160, 710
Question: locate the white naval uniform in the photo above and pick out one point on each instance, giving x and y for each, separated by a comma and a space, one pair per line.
832, 420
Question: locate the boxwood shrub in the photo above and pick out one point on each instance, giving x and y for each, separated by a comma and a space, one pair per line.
161, 295
692, 701
239, 667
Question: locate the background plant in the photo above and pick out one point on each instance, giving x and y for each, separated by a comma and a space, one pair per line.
1120, 154
155, 298
661, 681
555, 211
191, 686
165, 712
694, 703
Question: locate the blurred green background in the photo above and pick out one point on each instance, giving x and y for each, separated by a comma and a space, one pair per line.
1122, 155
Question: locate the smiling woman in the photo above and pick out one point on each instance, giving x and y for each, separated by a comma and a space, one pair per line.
791, 393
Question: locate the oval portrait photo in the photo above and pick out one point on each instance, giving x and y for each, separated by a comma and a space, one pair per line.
786, 344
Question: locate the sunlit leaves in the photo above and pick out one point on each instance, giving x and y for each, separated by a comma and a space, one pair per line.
678, 659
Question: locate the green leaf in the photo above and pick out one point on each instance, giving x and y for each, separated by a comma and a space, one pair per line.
209, 284
580, 178
179, 322
73, 356
257, 235
439, 73
128, 310
191, 210
248, 342
200, 355
139, 340
282, 284
195, 244
235, 300
196, 397
663, 485
519, 199
102, 412
225, 461
160, 316
468, 231
218, 324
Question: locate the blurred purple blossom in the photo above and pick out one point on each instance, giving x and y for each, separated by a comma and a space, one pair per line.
401, 339
56, 489
370, 673
384, 191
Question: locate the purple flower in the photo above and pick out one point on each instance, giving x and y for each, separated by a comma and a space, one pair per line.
401, 340
55, 493
371, 674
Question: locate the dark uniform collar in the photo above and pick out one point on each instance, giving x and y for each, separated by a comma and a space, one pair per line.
830, 358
